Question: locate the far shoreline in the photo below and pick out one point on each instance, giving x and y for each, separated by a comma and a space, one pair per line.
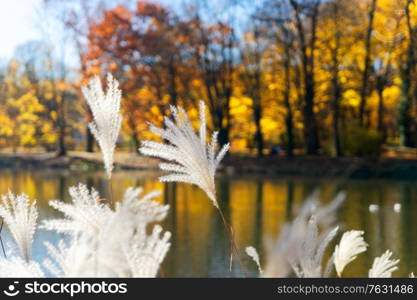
234, 165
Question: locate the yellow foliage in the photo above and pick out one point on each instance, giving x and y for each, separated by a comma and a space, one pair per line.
48, 134
54, 115
6, 125
391, 96
351, 98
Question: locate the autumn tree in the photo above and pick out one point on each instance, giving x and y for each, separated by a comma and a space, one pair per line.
306, 15
213, 51
145, 49
252, 53
325, 76
20, 118
408, 72
367, 60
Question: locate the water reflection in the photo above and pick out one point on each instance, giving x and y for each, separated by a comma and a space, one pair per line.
256, 207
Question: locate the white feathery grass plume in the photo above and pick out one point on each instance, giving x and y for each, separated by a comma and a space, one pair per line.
145, 256
325, 214
107, 121
383, 266
105, 242
251, 251
285, 253
15, 267
192, 160
84, 214
20, 216
351, 244
148, 209
307, 261
142, 252
73, 259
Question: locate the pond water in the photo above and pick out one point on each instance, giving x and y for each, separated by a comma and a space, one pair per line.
256, 207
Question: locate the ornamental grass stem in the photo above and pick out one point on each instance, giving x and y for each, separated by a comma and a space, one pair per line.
110, 187
1, 240
233, 245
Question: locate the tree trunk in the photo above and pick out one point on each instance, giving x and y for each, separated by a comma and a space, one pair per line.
136, 142
259, 139
172, 84
290, 135
89, 138
337, 93
336, 118
405, 115
310, 130
62, 123
367, 62
289, 114
381, 126
89, 146
406, 119
307, 58
62, 150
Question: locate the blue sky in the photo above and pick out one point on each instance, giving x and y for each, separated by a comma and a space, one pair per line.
18, 23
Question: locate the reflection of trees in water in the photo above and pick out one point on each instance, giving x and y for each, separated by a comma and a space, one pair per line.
256, 208
408, 228
290, 200
193, 233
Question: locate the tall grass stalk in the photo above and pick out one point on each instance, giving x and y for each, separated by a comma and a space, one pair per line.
191, 159
107, 120
21, 216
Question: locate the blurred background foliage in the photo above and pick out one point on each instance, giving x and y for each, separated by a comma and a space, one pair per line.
334, 77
